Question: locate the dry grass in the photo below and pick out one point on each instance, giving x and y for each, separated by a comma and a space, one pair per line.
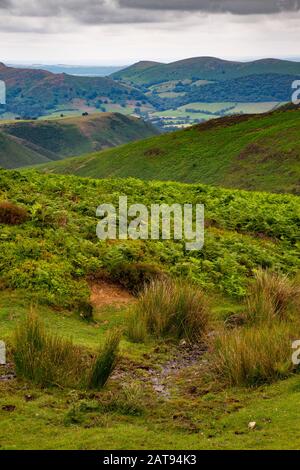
272, 296
168, 308
11, 214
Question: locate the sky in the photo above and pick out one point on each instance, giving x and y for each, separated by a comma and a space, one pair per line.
120, 32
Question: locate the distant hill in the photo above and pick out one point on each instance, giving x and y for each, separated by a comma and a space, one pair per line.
33, 92
25, 143
133, 71
260, 152
204, 68
252, 89
81, 70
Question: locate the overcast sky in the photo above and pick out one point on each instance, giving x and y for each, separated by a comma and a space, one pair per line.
108, 32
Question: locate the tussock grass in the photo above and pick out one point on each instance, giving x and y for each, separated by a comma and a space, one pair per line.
272, 296
169, 308
44, 358
256, 355
105, 362
48, 360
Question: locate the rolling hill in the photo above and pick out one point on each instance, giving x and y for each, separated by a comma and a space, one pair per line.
205, 68
234, 87
33, 92
14, 154
260, 152
24, 143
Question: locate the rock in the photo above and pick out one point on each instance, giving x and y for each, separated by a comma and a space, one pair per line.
252, 425
2, 353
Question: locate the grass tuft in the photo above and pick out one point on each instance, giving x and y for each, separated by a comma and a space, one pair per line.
105, 362
272, 296
44, 358
254, 356
169, 308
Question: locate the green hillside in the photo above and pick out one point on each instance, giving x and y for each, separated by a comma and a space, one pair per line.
259, 152
13, 154
205, 68
164, 393
130, 73
33, 142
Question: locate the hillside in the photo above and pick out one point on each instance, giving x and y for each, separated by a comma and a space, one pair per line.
204, 68
33, 92
260, 152
33, 142
162, 392
133, 71
14, 154
182, 92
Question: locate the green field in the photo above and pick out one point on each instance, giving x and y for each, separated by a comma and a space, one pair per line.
208, 111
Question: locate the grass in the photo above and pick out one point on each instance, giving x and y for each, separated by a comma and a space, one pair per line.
160, 396
255, 356
44, 358
272, 297
168, 308
49, 140
260, 352
260, 153
49, 360
128, 418
105, 362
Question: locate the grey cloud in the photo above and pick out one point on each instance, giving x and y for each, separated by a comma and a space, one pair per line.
5, 4
213, 6
97, 12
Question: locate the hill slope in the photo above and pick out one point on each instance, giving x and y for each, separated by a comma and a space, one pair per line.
13, 154
259, 152
33, 142
47, 265
205, 68
34, 93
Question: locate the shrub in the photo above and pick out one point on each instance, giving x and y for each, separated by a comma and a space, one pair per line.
11, 214
168, 308
254, 356
105, 362
44, 358
272, 296
135, 276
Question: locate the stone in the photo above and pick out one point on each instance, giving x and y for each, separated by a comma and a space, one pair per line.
2, 353
252, 425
